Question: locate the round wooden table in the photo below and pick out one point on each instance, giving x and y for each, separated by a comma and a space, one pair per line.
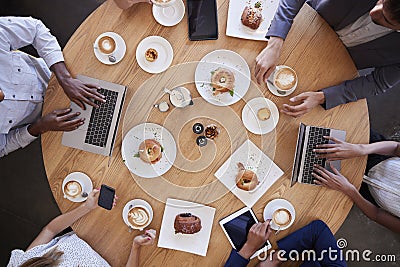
312, 49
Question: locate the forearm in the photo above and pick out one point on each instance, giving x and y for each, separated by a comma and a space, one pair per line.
388, 148
283, 18
374, 213
67, 219
377, 82
61, 72
123, 4
133, 260
15, 139
59, 224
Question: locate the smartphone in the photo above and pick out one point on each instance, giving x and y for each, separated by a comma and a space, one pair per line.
106, 198
202, 20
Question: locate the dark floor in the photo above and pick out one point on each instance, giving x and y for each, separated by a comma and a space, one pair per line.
27, 204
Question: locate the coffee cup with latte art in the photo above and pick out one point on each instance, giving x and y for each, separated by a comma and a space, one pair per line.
282, 217
73, 189
140, 216
284, 79
106, 45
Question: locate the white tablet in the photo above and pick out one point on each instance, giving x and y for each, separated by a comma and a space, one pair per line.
236, 227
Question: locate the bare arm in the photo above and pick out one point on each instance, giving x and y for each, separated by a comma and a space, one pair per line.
342, 150
67, 219
141, 240
388, 148
340, 183
374, 213
125, 4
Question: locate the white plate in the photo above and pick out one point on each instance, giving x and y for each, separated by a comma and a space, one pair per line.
275, 204
130, 147
255, 160
196, 243
170, 15
250, 119
164, 50
222, 59
118, 54
234, 26
84, 180
136, 202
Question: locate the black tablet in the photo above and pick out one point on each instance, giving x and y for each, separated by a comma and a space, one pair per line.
236, 227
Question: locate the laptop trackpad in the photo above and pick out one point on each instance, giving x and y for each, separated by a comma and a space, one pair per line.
84, 114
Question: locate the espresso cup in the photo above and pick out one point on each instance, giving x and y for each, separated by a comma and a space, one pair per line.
73, 189
284, 79
106, 45
163, 3
282, 217
139, 216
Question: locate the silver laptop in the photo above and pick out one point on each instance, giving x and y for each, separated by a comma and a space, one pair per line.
98, 133
305, 158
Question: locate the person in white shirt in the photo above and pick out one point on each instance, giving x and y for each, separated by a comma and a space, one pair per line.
24, 79
68, 249
382, 178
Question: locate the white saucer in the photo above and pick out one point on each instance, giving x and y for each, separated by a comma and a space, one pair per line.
84, 180
132, 203
118, 54
251, 121
170, 15
275, 204
164, 50
272, 88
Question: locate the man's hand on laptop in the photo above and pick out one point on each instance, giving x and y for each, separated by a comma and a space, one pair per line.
308, 101
339, 150
81, 93
78, 92
58, 120
256, 238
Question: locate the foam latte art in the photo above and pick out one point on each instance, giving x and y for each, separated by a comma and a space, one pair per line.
73, 188
138, 217
282, 217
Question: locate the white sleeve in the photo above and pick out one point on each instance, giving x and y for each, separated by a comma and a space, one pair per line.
14, 140
17, 32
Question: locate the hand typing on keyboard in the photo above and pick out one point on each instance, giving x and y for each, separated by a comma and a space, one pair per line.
338, 150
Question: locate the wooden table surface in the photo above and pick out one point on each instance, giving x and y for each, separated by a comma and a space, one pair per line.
312, 49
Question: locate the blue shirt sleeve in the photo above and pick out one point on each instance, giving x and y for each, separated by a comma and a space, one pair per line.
236, 260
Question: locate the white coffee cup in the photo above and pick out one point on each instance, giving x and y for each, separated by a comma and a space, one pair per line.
284, 79
139, 215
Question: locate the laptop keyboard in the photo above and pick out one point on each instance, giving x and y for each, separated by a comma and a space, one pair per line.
315, 138
101, 118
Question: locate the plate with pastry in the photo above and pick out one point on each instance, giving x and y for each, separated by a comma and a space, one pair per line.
186, 226
260, 115
148, 150
248, 173
222, 77
250, 19
154, 54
